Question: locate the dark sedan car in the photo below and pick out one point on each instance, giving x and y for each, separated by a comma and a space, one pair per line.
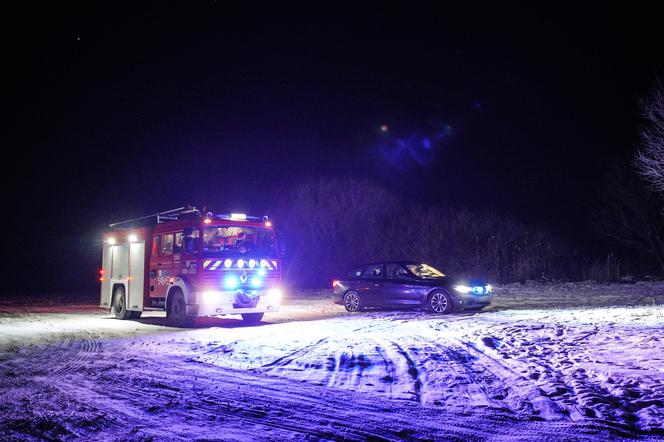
408, 284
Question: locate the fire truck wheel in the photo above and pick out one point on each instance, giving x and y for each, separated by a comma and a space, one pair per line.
120, 304
252, 318
177, 310
439, 302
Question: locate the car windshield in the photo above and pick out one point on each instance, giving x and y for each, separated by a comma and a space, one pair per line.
238, 241
425, 271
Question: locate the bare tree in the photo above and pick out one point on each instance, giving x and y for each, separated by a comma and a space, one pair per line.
630, 213
335, 223
650, 158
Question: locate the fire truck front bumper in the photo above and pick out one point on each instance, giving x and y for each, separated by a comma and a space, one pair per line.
215, 303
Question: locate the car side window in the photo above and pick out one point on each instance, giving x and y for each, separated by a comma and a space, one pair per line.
396, 271
356, 273
373, 272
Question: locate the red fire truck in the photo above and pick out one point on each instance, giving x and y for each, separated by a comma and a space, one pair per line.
191, 264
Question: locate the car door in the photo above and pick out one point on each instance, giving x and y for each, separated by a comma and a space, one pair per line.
400, 287
370, 285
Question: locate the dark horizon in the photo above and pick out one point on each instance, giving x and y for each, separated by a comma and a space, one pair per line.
120, 111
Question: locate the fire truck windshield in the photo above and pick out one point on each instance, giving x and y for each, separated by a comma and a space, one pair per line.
239, 240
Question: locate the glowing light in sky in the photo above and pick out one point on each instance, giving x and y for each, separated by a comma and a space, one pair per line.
417, 148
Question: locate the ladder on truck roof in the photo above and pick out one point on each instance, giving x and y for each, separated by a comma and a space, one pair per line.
168, 215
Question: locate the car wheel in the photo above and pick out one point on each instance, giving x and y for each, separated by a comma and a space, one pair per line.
439, 302
352, 301
119, 308
177, 310
252, 318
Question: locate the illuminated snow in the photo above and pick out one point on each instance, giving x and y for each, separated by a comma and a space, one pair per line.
546, 361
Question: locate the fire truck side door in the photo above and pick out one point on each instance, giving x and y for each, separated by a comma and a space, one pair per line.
136, 275
161, 265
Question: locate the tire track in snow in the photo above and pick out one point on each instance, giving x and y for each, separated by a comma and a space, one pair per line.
524, 396
291, 357
75, 352
167, 398
564, 381
357, 359
462, 379
412, 369
218, 400
549, 376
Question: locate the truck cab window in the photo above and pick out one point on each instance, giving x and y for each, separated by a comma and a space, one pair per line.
177, 247
156, 241
238, 240
190, 241
167, 244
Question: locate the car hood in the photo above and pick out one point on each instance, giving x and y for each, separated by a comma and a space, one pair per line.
449, 282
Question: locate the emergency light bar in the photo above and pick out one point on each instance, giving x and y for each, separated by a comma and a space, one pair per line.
242, 217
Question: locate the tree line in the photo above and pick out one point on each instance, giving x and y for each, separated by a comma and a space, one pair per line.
332, 224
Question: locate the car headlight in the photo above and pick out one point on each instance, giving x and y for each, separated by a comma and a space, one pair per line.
476, 290
463, 288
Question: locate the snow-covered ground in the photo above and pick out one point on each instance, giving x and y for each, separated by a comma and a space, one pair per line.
556, 361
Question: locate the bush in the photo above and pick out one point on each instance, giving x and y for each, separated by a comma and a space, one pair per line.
334, 224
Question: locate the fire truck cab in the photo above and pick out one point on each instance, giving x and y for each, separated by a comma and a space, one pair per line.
190, 265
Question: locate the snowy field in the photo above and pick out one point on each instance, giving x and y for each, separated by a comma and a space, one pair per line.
545, 362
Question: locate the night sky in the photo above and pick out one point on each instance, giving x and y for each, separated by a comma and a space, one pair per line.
119, 110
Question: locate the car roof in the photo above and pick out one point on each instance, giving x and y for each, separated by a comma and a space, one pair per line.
390, 262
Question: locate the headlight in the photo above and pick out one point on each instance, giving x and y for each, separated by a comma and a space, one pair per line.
275, 294
210, 297
462, 288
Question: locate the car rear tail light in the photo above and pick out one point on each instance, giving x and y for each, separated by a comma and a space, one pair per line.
335, 283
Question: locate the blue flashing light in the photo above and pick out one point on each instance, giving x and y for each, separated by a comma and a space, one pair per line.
262, 272
256, 282
231, 282
475, 290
